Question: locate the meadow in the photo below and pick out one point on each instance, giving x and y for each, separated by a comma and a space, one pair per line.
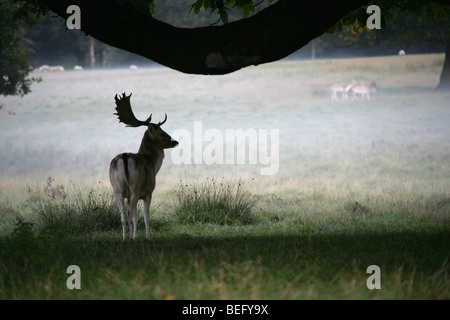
359, 183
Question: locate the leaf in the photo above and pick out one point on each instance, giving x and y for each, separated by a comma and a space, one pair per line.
355, 27
361, 17
207, 4
247, 9
196, 6
223, 14
152, 6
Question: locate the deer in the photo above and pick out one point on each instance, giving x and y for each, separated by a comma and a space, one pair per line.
363, 90
45, 68
342, 89
133, 175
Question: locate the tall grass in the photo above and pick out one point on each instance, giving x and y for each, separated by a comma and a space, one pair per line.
80, 213
306, 247
215, 201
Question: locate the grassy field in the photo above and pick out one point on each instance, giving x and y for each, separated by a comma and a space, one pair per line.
359, 183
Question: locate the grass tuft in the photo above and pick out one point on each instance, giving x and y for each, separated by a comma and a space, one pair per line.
218, 202
81, 213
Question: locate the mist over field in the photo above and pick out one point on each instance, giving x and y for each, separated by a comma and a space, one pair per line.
66, 128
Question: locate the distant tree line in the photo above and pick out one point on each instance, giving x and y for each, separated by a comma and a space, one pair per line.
50, 43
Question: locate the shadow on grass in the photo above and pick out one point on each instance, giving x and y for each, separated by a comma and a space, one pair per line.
34, 266
425, 250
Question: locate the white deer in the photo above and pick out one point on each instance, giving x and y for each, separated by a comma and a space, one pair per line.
342, 89
45, 68
363, 90
56, 68
132, 175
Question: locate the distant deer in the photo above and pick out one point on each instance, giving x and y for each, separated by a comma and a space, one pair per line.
132, 175
363, 90
45, 68
342, 89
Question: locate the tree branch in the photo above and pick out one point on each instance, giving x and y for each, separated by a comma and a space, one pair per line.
269, 35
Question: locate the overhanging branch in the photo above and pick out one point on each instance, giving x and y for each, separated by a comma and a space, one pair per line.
270, 35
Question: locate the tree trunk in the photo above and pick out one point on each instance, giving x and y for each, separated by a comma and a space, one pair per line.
92, 52
444, 82
267, 36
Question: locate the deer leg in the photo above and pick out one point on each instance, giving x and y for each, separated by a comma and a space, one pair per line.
135, 222
120, 200
133, 217
130, 218
147, 202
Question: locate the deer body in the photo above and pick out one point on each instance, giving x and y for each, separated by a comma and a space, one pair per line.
342, 89
363, 90
133, 175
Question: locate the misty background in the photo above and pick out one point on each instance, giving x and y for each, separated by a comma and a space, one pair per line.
66, 125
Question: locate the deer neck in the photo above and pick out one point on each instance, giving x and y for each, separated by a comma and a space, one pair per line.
152, 151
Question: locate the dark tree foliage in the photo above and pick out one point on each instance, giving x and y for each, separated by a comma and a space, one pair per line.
13, 55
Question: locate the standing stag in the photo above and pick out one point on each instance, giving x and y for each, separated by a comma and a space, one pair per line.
132, 175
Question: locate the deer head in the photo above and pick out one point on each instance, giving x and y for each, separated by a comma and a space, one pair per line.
154, 133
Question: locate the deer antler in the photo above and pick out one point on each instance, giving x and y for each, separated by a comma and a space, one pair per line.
165, 119
126, 115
